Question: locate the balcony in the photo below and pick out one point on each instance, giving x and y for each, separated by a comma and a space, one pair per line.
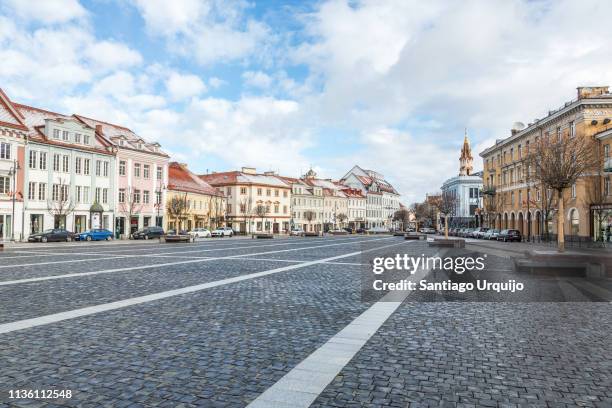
608, 165
488, 190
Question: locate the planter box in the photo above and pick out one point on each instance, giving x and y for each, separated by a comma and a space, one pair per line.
177, 238
447, 243
263, 236
415, 237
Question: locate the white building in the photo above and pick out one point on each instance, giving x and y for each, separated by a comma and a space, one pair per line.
13, 133
307, 205
69, 174
466, 188
335, 202
383, 200
357, 207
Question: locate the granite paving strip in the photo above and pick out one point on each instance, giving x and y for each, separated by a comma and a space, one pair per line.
43, 320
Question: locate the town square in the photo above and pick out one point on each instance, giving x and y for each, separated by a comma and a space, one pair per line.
324, 203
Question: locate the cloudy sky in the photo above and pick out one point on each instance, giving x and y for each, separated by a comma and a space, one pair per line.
286, 85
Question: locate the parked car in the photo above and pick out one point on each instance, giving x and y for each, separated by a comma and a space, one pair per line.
148, 233
349, 230
222, 232
360, 231
509, 235
491, 234
52, 235
479, 232
296, 232
95, 235
200, 233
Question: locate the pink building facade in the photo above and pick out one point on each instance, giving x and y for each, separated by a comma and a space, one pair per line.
142, 178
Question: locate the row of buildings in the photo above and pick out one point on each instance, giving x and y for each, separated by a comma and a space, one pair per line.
76, 172
502, 195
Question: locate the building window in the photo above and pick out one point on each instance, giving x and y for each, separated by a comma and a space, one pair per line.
65, 166
136, 169
160, 172
78, 191
33, 159
105, 196
65, 136
276, 193
42, 161
607, 189
77, 138
284, 209
259, 191
275, 208
243, 208
122, 195
606, 151
42, 192
98, 167
55, 194
146, 170
98, 194
5, 151
56, 133
243, 190
136, 197
158, 197
5, 185
574, 190
122, 168
145, 196
229, 208
56, 162
86, 139
32, 191
77, 165
85, 194
106, 164
86, 167
572, 127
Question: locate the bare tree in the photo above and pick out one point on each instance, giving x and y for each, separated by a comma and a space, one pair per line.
446, 204
261, 210
178, 209
309, 215
60, 205
402, 216
131, 204
341, 218
557, 164
421, 213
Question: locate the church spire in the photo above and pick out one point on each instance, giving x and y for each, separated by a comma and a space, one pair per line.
466, 159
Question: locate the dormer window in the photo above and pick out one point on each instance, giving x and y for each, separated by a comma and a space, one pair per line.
77, 138
65, 136
139, 146
86, 139
56, 133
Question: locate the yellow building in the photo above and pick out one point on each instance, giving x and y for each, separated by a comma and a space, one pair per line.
200, 204
512, 201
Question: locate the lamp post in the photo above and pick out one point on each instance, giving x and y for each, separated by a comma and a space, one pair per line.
13, 173
159, 200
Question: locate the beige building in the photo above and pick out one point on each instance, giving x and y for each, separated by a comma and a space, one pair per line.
306, 205
356, 207
247, 190
511, 201
335, 202
203, 205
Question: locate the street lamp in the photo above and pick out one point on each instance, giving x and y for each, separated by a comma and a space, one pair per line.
13, 173
158, 200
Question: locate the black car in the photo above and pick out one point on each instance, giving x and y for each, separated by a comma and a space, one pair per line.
148, 233
52, 235
509, 235
360, 231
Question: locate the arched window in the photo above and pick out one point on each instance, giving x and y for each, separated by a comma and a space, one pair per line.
574, 221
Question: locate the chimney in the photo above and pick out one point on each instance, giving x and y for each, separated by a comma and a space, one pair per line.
249, 170
99, 129
269, 173
591, 91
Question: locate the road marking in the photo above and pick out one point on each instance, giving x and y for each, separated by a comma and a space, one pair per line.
86, 311
301, 386
131, 268
118, 255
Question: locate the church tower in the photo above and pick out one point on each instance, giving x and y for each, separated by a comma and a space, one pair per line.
466, 160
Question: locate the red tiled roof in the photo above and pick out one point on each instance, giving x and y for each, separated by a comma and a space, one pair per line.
220, 179
181, 179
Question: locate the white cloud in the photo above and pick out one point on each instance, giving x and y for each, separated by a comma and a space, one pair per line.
47, 11
108, 54
257, 79
184, 86
209, 31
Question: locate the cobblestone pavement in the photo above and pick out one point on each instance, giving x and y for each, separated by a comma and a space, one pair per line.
223, 345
